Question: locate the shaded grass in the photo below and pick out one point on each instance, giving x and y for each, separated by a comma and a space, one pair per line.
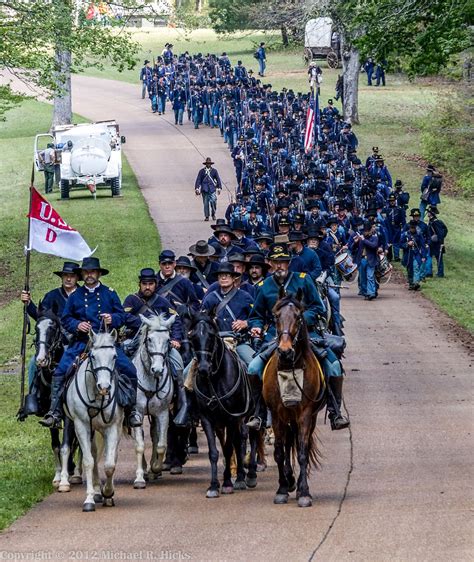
127, 240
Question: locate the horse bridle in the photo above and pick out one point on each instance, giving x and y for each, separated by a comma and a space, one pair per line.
155, 353
295, 338
52, 347
159, 387
94, 370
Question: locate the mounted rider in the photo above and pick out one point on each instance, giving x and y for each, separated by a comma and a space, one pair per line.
262, 325
92, 307
54, 301
176, 289
147, 302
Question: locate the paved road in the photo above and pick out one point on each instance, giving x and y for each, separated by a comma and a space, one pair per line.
397, 487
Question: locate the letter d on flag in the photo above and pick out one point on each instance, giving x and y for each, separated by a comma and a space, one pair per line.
50, 234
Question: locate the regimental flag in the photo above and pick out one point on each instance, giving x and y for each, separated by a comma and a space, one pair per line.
50, 234
309, 133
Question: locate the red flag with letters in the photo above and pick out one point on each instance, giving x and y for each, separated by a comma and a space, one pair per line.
50, 234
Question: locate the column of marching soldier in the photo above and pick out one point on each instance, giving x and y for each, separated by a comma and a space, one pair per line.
299, 219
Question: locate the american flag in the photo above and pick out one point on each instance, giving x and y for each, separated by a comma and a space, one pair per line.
310, 122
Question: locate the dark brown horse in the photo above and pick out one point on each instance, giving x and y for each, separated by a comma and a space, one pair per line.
294, 390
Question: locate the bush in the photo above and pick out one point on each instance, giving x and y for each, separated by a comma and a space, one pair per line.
447, 137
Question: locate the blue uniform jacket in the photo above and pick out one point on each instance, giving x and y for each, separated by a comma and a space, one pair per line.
86, 306
268, 294
132, 305
181, 293
310, 262
56, 296
240, 305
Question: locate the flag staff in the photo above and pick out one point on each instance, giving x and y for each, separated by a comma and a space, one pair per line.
26, 287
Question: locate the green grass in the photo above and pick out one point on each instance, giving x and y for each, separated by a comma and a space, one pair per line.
390, 119
127, 240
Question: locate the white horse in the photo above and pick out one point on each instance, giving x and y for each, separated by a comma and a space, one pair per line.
154, 392
91, 402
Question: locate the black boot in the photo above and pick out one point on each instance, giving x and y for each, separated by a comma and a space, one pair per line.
182, 418
260, 413
338, 421
133, 416
55, 415
32, 407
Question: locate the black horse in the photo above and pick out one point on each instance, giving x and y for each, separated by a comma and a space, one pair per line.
223, 397
49, 347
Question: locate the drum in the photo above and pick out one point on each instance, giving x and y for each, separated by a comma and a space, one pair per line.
384, 270
346, 267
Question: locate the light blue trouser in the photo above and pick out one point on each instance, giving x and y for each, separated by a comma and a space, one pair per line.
330, 365
423, 206
371, 288
144, 89
178, 116
362, 280
414, 273
335, 301
262, 65
31, 371
177, 365
210, 203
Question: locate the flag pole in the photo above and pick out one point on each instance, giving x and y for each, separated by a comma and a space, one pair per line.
26, 287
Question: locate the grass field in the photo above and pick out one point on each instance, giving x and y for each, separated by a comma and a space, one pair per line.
117, 226
389, 118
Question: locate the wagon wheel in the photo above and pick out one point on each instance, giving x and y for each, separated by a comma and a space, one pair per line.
332, 60
307, 55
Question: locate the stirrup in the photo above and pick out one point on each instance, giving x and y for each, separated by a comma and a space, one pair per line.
255, 422
51, 421
134, 419
339, 422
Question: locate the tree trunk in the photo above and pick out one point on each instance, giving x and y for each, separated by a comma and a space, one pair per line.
198, 6
284, 35
62, 106
350, 69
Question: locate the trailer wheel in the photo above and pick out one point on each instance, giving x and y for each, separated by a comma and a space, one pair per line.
115, 187
332, 60
64, 185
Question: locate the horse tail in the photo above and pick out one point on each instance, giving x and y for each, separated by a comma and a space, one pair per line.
314, 454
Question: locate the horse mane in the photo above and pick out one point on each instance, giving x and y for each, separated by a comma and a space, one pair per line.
286, 300
47, 313
154, 322
204, 315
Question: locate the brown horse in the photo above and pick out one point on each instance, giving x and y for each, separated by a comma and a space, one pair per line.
294, 390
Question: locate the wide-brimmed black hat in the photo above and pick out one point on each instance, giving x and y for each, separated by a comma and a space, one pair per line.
147, 274
68, 267
297, 236
92, 263
264, 235
219, 223
415, 213
201, 248
433, 209
208, 161
184, 261
258, 259
224, 228
284, 221
279, 252
332, 220
226, 267
237, 257
398, 183
239, 225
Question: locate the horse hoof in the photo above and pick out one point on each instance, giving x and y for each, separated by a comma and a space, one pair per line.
75, 479
176, 470
305, 501
154, 476
212, 494
240, 485
88, 507
193, 450
64, 488
98, 498
280, 499
227, 490
108, 502
145, 476
251, 482
139, 484
56, 483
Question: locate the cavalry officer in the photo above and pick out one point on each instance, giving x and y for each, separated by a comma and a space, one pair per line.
437, 232
205, 273
176, 289
54, 300
208, 185
231, 307
91, 307
262, 315
147, 302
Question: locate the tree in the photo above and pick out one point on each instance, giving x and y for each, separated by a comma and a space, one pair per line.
43, 42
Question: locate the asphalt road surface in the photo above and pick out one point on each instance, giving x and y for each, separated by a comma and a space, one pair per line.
398, 486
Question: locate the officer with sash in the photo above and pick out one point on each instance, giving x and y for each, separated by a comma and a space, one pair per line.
148, 302
262, 316
92, 307
176, 289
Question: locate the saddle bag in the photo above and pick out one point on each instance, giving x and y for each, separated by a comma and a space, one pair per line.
126, 393
337, 344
